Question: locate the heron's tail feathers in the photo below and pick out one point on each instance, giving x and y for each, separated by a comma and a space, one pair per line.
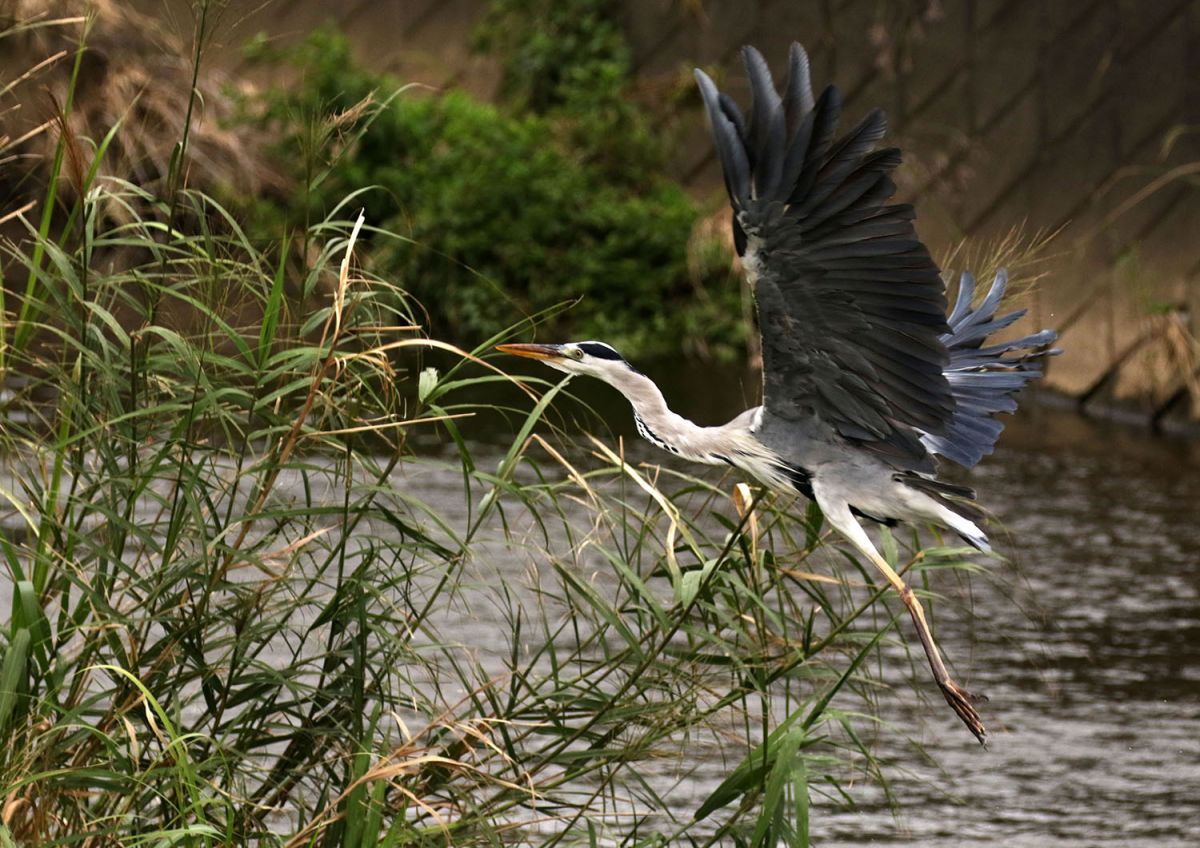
984, 378
969, 532
952, 506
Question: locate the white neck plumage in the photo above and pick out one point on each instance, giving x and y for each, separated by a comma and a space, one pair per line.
655, 421
730, 443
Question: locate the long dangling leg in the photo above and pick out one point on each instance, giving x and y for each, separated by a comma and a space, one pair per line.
840, 517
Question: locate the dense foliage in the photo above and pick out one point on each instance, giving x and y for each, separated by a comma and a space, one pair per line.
557, 53
570, 62
505, 214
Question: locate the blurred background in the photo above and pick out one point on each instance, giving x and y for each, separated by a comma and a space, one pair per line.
538, 152
542, 169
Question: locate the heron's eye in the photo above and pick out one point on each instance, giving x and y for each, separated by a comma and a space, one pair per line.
576, 353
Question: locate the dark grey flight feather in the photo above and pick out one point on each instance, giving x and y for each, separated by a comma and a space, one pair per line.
797, 96
852, 308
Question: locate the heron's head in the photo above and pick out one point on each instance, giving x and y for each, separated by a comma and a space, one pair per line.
596, 359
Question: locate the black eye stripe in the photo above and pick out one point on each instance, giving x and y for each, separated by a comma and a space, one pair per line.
599, 350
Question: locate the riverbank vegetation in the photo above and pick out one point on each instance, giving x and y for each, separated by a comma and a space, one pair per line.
507, 210
248, 607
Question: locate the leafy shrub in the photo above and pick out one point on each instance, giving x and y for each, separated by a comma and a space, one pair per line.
507, 216
556, 50
569, 60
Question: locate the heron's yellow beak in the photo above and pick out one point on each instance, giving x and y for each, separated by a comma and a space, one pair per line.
532, 351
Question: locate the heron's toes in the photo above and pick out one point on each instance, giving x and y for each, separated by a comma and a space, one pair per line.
962, 702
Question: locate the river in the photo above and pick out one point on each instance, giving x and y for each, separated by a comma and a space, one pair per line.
1086, 643
1089, 652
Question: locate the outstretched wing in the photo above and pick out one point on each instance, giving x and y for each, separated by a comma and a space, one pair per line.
851, 307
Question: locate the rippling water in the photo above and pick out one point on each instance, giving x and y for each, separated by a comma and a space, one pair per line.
1089, 654
1087, 645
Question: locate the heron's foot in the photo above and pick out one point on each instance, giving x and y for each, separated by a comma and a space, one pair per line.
963, 704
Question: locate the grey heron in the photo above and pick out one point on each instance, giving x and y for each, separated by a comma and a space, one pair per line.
867, 381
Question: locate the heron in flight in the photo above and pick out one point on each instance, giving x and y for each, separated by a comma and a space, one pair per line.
867, 381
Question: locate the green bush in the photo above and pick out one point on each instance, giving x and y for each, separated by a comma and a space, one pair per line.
556, 50
569, 60
507, 215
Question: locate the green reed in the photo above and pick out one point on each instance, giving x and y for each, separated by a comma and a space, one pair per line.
240, 618
236, 616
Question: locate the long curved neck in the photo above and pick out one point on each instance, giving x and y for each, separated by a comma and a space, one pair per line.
657, 424
733, 443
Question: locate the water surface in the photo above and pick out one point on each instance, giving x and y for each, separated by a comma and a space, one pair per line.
1089, 651
1087, 644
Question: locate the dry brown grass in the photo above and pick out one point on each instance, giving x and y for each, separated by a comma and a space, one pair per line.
1028, 256
133, 76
